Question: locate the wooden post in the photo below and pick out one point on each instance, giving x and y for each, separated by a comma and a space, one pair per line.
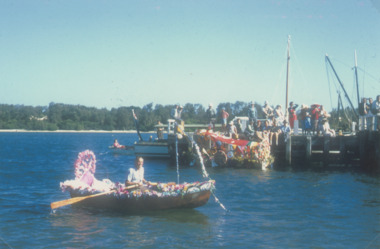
326, 150
288, 151
362, 144
342, 150
308, 148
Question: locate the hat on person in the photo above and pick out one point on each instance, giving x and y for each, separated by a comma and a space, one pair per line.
210, 104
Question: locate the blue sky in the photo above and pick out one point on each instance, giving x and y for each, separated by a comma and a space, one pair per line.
122, 53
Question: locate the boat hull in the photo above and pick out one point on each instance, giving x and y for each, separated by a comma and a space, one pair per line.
114, 202
152, 149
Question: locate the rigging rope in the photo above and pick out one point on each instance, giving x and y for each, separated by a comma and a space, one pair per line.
204, 171
328, 80
176, 153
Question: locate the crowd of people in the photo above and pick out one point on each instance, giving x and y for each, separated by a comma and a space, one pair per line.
312, 120
369, 112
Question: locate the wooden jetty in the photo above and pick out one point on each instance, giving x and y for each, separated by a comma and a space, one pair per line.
360, 149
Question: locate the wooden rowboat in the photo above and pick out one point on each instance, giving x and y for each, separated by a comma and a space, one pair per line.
149, 198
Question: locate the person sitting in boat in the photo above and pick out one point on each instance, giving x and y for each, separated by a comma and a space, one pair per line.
239, 126
117, 145
250, 130
136, 176
232, 131
258, 131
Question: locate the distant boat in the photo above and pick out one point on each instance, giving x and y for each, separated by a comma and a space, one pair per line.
125, 150
164, 148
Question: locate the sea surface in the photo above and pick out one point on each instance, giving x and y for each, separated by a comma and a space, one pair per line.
265, 209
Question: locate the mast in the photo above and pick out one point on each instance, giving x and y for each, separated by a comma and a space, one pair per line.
344, 90
356, 77
287, 78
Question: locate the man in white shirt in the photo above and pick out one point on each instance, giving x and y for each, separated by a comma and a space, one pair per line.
136, 175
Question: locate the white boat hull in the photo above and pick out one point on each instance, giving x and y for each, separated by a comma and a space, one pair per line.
152, 149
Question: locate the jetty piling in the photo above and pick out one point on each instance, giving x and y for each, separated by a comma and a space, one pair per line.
361, 149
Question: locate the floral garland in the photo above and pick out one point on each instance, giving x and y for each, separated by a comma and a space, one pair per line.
258, 151
86, 161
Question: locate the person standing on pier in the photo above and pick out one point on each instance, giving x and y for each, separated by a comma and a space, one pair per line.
371, 116
176, 112
376, 112
211, 116
252, 112
315, 112
363, 112
268, 111
225, 116
292, 114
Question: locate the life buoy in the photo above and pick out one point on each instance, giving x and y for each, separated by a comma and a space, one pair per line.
230, 154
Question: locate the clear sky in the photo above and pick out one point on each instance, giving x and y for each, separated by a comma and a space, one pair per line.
134, 52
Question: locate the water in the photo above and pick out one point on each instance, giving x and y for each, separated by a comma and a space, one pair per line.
266, 209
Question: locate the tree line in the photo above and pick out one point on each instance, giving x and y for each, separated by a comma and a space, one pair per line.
57, 116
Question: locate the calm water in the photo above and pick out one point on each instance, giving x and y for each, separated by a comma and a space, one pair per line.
272, 209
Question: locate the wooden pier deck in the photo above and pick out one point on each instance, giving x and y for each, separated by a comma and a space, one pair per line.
360, 149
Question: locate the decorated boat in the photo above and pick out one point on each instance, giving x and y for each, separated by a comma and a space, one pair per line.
159, 196
219, 150
86, 191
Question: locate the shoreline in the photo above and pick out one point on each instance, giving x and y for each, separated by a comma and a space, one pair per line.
69, 131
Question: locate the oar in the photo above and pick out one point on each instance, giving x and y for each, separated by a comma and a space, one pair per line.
62, 203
